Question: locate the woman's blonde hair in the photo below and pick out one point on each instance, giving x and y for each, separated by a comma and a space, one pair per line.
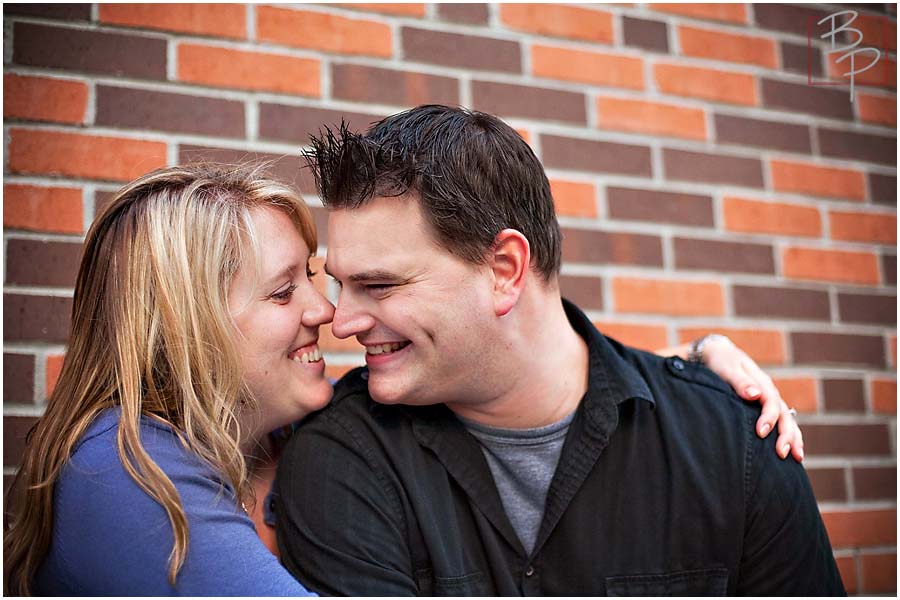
151, 333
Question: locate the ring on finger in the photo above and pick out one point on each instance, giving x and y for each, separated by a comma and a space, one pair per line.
792, 412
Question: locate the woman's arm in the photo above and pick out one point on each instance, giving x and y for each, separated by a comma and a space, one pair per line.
750, 382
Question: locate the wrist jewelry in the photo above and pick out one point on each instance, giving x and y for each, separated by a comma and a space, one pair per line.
695, 354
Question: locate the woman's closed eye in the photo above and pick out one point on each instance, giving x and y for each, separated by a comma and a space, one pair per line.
284, 295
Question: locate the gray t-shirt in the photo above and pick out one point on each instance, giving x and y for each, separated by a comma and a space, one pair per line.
522, 462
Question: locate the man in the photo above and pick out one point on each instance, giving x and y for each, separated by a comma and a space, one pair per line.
512, 449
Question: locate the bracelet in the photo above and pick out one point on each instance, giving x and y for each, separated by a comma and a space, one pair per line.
695, 353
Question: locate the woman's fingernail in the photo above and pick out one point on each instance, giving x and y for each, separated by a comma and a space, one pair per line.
785, 449
752, 391
800, 452
764, 430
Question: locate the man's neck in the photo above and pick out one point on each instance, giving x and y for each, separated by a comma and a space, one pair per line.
546, 372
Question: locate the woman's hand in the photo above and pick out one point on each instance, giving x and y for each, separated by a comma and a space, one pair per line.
750, 382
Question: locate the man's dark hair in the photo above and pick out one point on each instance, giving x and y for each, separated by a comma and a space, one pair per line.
473, 174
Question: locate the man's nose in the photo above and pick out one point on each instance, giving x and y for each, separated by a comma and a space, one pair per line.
350, 317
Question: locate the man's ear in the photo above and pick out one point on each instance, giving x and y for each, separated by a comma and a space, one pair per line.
510, 260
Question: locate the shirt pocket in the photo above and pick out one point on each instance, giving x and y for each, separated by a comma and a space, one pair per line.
472, 584
702, 582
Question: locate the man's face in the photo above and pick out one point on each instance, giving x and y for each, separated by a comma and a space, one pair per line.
423, 315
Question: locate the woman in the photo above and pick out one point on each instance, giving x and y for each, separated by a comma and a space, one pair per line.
194, 333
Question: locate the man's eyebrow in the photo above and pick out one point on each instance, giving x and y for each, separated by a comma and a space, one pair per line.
373, 275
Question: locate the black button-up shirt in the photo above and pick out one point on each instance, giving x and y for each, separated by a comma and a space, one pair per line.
662, 488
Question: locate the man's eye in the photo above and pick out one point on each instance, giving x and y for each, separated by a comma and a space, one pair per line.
285, 294
379, 286
310, 273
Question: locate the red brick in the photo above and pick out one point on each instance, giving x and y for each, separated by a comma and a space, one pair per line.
829, 182
78, 155
718, 45
884, 396
460, 50
843, 395
824, 101
54, 209
708, 84
573, 198
856, 146
718, 255
875, 483
763, 346
210, 65
830, 265
863, 227
828, 485
220, 20
14, 431
762, 133
44, 99
322, 31
729, 13
822, 348
877, 109
651, 117
563, 21
717, 167
852, 529
847, 567
680, 298
468, 13
603, 247
596, 157
883, 74
361, 83
583, 290
798, 392
18, 378
390, 8
752, 216
879, 573
53, 368
785, 302
33, 318
657, 206
595, 68
638, 335
42, 262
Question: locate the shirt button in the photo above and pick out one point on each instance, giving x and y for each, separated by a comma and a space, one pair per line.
678, 364
529, 571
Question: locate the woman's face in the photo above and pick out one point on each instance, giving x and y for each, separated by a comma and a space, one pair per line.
278, 313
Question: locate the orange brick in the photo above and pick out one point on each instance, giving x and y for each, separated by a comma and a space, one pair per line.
883, 74
798, 392
729, 13
54, 209
329, 343
709, 84
338, 371
763, 346
651, 117
222, 20
884, 396
78, 155
587, 67
848, 529
877, 109
877, 31
53, 368
564, 21
638, 335
44, 99
573, 198
752, 216
847, 567
830, 265
526, 135
248, 70
407, 10
321, 31
717, 45
879, 573
682, 298
863, 227
818, 181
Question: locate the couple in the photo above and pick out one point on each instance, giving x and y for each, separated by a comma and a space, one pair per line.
511, 449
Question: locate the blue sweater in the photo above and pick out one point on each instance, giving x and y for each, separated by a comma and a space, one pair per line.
110, 538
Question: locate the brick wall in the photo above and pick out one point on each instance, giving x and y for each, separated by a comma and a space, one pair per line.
702, 183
